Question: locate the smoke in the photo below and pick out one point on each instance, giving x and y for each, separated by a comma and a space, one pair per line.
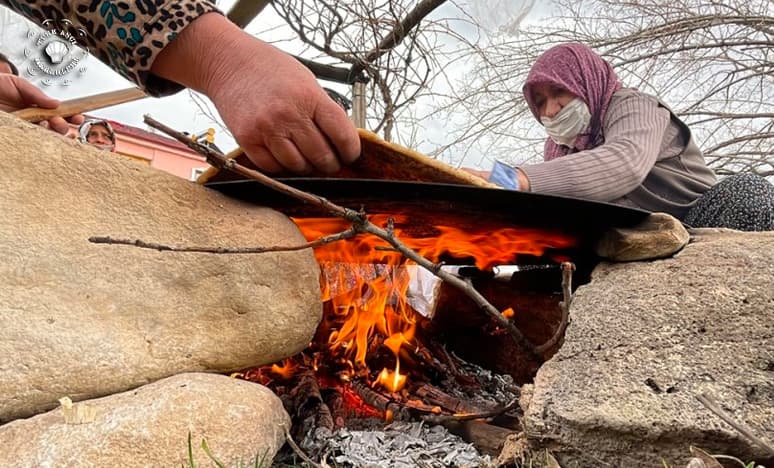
499, 16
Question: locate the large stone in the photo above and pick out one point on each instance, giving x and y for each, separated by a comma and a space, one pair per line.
659, 235
646, 339
149, 426
87, 320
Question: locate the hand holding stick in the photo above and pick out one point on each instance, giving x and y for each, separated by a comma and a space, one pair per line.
80, 105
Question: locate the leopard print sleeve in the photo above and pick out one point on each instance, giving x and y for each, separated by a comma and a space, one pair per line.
127, 35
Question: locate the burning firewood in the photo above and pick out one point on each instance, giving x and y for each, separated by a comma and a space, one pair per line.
311, 411
436, 396
392, 311
359, 223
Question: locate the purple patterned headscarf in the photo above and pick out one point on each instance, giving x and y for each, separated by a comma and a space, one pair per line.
579, 70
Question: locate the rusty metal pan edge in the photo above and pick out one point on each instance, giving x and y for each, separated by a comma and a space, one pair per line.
434, 199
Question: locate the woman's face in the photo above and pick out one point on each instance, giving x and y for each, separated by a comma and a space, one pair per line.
550, 99
99, 135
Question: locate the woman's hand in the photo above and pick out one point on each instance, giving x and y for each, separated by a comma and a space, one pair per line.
17, 93
271, 103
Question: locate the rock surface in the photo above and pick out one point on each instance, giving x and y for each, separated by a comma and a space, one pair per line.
659, 236
646, 339
149, 426
86, 320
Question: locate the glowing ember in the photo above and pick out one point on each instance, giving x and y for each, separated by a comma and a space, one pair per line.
364, 282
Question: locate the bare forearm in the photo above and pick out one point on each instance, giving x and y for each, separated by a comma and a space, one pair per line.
197, 54
523, 180
272, 104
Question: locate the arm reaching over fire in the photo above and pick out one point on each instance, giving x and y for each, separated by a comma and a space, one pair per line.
615, 144
278, 113
272, 104
606, 142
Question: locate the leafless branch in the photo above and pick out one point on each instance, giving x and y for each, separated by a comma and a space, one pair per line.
567, 270
743, 429
389, 41
297, 450
395, 36
442, 418
225, 250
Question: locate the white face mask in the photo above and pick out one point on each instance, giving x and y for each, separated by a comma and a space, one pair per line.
568, 123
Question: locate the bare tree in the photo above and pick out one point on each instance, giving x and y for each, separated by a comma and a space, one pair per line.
391, 41
711, 61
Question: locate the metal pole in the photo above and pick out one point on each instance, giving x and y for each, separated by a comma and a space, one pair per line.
358, 104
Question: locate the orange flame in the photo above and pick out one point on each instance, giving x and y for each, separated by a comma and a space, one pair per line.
392, 381
285, 370
365, 281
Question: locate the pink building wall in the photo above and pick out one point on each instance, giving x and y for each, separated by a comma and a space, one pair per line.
158, 151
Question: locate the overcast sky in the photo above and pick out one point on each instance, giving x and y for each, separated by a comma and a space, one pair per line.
179, 111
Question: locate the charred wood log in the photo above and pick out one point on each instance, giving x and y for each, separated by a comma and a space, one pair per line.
435, 396
309, 409
487, 438
392, 408
472, 335
460, 378
420, 357
334, 399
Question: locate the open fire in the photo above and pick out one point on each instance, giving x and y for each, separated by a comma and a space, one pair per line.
369, 326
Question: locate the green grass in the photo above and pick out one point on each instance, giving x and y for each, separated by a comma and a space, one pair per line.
259, 462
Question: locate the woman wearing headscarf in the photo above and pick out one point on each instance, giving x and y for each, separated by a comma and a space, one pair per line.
99, 133
615, 144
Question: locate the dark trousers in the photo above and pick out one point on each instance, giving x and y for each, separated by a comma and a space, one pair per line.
742, 201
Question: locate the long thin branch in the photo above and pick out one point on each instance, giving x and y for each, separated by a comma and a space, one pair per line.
740, 427
459, 417
567, 269
348, 234
298, 450
359, 223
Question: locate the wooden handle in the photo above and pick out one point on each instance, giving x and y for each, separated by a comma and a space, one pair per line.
81, 105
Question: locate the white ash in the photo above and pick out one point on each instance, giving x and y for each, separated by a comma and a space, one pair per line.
398, 445
495, 389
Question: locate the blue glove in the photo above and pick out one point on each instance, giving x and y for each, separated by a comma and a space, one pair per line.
505, 176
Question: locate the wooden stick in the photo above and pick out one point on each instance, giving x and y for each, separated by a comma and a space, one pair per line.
298, 450
488, 438
81, 105
223, 250
441, 418
743, 429
567, 269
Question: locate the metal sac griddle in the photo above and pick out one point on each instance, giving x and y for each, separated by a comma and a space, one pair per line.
433, 203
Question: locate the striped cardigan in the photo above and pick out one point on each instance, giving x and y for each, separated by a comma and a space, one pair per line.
648, 160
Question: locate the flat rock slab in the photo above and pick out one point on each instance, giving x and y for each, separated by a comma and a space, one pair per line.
645, 339
660, 235
149, 426
85, 320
